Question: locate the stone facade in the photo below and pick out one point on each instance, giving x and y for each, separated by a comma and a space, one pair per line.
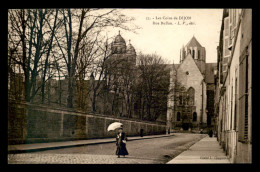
191, 89
233, 86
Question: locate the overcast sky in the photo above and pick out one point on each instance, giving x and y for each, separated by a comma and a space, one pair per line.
166, 40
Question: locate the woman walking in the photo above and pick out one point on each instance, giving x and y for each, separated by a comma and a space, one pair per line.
121, 143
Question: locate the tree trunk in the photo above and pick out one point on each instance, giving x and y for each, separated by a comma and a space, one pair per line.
47, 57
70, 92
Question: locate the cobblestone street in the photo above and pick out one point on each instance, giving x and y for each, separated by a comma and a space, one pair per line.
146, 151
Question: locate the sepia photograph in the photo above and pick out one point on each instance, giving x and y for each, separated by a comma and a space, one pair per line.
129, 86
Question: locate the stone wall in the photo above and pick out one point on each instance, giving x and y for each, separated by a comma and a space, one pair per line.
34, 123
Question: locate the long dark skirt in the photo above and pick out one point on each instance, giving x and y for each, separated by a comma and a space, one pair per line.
121, 150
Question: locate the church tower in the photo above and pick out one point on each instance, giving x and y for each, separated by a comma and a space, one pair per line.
197, 52
131, 54
122, 52
118, 47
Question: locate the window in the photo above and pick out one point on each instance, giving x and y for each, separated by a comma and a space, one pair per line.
180, 97
230, 14
227, 51
194, 117
178, 116
226, 26
231, 115
193, 53
243, 97
198, 54
235, 113
234, 18
190, 94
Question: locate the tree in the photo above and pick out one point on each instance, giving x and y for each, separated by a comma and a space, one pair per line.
50, 46
29, 41
90, 21
17, 25
153, 86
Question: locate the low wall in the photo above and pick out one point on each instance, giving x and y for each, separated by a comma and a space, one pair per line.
34, 123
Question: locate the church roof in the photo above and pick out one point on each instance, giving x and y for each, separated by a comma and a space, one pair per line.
169, 66
193, 43
176, 66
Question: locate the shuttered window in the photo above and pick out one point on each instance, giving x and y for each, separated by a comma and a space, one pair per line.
235, 114
243, 97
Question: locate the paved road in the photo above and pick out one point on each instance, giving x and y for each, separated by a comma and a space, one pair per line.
146, 151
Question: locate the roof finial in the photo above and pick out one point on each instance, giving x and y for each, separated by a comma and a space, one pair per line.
129, 41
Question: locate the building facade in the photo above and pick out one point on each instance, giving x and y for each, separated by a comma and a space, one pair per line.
233, 85
190, 100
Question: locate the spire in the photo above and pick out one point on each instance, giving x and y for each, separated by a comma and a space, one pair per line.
193, 43
118, 32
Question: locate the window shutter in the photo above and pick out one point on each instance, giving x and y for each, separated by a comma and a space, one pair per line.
243, 97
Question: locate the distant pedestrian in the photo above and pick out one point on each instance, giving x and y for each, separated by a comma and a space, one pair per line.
121, 143
210, 133
141, 132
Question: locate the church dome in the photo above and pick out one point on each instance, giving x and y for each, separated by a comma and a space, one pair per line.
119, 39
118, 45
130, 49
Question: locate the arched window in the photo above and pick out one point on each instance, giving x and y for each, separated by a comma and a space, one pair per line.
182, 96
190, 94
178, 116
194, 116
193, 54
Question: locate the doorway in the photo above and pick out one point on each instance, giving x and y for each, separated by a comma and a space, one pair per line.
185, 126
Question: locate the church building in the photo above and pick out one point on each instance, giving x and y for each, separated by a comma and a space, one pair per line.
191, 97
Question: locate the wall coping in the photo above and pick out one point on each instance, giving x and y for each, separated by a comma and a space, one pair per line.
63, 110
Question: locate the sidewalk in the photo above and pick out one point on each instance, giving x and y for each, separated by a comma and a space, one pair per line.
205, 151
23, 148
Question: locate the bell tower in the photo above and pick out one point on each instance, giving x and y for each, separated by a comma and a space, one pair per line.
197, 52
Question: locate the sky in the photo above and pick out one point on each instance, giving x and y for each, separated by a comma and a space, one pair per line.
165, 31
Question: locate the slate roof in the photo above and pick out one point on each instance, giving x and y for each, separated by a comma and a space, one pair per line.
193, 43
169, 66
